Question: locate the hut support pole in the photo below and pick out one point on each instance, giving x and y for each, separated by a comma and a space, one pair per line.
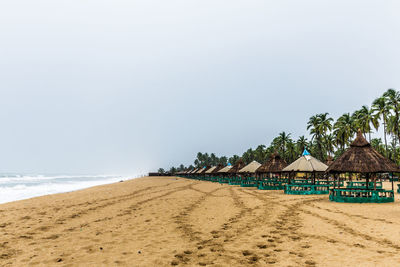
392, 181
367, 180
334, 181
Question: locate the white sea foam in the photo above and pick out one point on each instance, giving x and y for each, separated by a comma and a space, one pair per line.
17, 187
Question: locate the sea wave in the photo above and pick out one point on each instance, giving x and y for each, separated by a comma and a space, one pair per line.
18, 187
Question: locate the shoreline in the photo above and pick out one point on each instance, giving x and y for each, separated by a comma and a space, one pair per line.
30, 188
164, 221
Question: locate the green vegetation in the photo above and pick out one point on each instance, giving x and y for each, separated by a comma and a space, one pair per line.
329, 138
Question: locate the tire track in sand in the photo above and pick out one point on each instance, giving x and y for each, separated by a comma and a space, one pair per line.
285, 233
208, 250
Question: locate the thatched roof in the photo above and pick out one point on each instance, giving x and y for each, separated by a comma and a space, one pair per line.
362, 158
225, 169
195, 170
250, 168
306, 163
329, 160
204, 170
218, 168
274, 164
200, 170
239, 165
210, 170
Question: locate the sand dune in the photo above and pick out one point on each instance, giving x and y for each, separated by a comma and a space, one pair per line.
173, 221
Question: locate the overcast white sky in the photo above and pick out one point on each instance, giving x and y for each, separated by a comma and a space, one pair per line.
127, 86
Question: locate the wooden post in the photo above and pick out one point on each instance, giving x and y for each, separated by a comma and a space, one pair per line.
375, 182
392, 181
334, 181
367, 177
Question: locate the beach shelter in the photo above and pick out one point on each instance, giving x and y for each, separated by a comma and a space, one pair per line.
248, 174
311, 166
212, 173
238, 166
306, 163
202, 172
193, 172
362, 159
234, 177
274, 165
224, 173
250, 168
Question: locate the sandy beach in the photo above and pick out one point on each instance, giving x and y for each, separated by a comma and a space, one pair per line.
164, 221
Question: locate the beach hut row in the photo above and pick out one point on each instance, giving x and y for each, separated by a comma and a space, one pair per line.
355, 176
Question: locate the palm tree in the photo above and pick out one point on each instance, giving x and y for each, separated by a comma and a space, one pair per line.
376, 143
234, 159
393, 101
223, 160
319, 125
281, 142
343, 130
381, 109
329, 142
364, 118
248, 156
260, 154
302, 144
290, 151
391, 129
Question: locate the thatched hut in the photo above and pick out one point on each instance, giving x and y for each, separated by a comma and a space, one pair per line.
273, 166
313, 168
193, 172
233, 177
248, 172
224, 174
201, 174
362, 159
250, 168
212, 173
225, 169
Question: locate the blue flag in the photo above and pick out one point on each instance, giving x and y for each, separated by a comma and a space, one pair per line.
306, 153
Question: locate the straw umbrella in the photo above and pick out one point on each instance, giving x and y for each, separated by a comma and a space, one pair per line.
361, 158
309, 165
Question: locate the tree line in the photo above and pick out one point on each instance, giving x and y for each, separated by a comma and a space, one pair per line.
328, 138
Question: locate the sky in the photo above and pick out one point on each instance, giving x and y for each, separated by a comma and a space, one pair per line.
127, 86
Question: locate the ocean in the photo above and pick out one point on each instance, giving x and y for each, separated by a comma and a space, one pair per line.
17, 186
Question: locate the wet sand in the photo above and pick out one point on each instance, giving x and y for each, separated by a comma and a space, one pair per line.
174, 221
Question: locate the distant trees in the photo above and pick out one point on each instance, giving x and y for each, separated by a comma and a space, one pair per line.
328, 137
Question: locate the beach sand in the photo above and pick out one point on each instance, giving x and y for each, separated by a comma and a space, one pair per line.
164, 221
